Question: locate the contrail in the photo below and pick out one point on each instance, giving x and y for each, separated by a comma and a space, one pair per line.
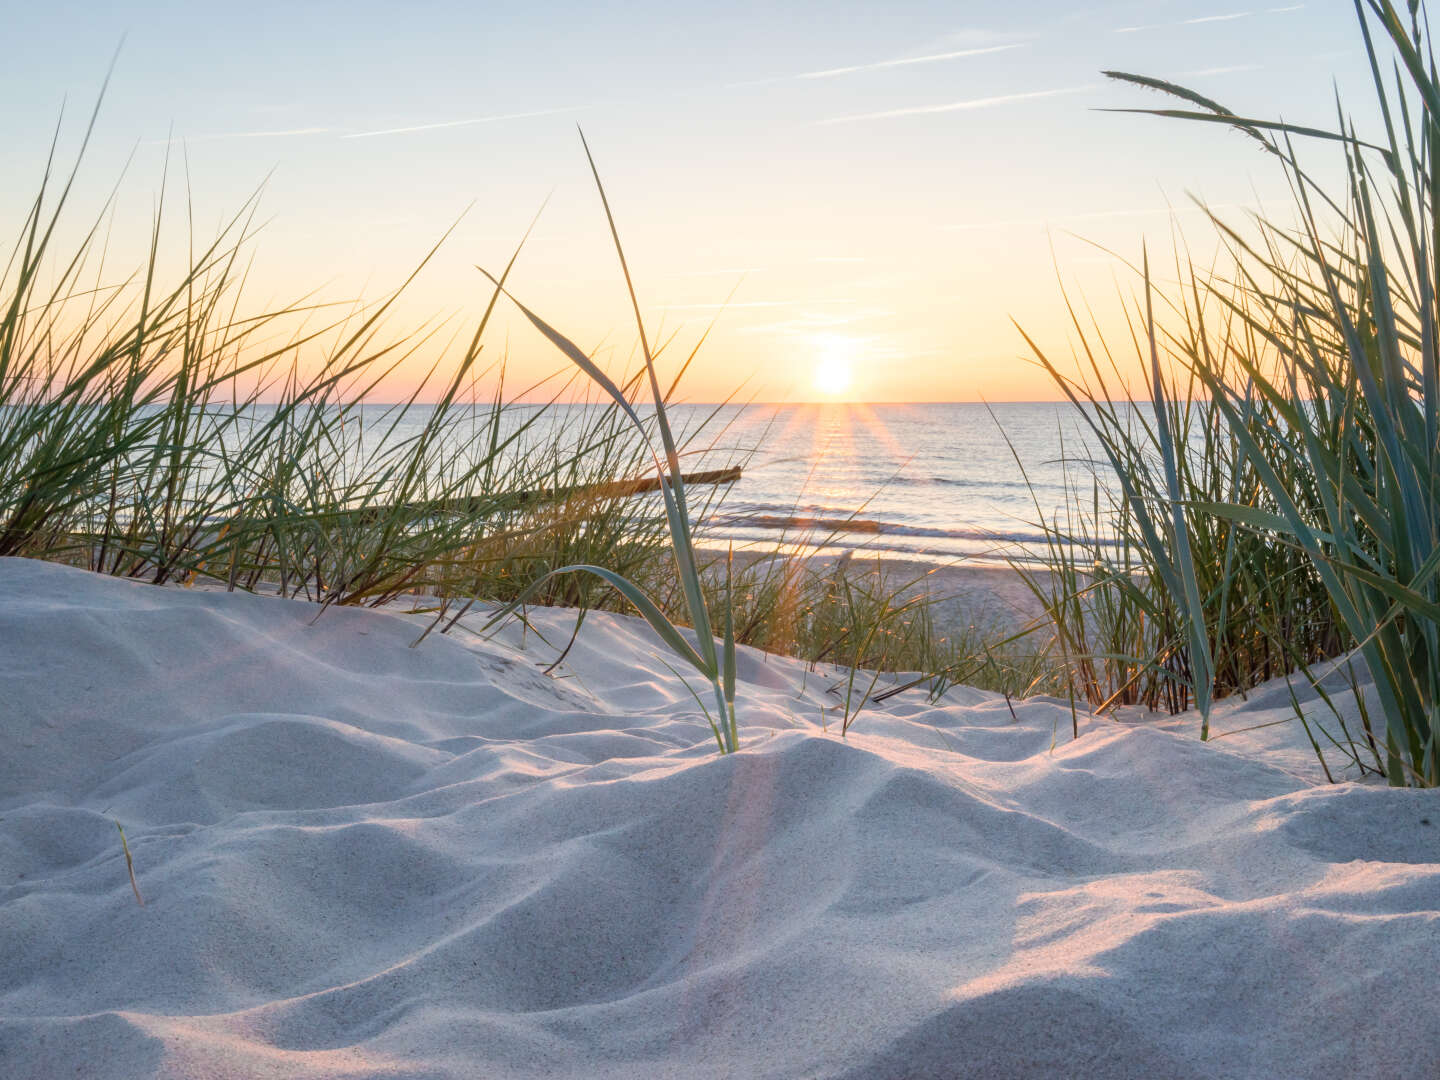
959, 106
931, 59
464, 123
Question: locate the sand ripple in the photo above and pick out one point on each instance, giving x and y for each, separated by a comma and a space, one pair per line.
361, 859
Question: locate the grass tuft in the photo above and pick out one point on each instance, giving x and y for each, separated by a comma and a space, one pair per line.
1280, 497
130, 866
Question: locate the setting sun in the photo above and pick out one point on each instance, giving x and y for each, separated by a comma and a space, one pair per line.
832, 375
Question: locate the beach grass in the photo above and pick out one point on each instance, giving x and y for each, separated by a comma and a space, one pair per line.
1257, 498
152, 427
129, 864
867, 625
716, 666
162, 451
1139, 578
1279, 502
155, 430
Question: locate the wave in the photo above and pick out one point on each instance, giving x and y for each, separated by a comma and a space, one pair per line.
874, 527
879, 478
1015, 486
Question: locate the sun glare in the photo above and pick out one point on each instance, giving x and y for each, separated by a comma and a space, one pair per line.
833, 365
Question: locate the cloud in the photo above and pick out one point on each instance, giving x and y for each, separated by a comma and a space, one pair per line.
215, 137
1200, 20
838, 259
465, 123
959, 106
974, 37
1215, 18
878, 65
830, 73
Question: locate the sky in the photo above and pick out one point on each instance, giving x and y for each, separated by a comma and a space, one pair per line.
883, 190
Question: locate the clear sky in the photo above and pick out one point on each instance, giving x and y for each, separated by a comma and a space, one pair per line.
885, 182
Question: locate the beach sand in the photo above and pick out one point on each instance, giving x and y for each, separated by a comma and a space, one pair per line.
985, 597
362, 859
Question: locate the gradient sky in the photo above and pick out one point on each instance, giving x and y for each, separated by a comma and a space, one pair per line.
886, 182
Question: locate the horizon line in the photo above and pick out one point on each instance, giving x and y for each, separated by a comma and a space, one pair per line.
747, 404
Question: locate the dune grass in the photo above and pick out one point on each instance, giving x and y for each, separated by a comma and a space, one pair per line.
1279, 500
855, 616
153, 429
1139, 578
129, 865
716, 665
867, 627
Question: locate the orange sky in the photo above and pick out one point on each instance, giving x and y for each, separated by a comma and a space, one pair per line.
884, 189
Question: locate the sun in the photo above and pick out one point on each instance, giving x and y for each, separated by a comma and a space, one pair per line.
833, 371
832, 376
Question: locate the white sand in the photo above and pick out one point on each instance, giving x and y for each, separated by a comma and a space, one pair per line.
983, 597
365, 860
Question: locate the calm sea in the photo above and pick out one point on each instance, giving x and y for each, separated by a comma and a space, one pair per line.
912, 481
924, 482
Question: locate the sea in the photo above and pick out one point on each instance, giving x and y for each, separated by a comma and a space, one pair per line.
926, 482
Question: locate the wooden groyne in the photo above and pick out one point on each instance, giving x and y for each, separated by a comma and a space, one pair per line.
613, 489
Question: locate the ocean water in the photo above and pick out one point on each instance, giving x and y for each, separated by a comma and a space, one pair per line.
928, 482
923, 481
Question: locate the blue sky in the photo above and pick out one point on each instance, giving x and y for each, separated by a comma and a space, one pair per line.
889, 184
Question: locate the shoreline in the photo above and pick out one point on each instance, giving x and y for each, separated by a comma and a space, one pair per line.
959, 595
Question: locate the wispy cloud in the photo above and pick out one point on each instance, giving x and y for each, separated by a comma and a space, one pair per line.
216, 136
466, 123
1200, 20
1216, 18
976, 37
879, 65
959, 106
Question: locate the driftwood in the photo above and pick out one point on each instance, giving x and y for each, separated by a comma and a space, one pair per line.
614, 489
619, 489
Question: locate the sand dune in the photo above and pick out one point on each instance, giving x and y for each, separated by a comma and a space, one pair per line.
361, 859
